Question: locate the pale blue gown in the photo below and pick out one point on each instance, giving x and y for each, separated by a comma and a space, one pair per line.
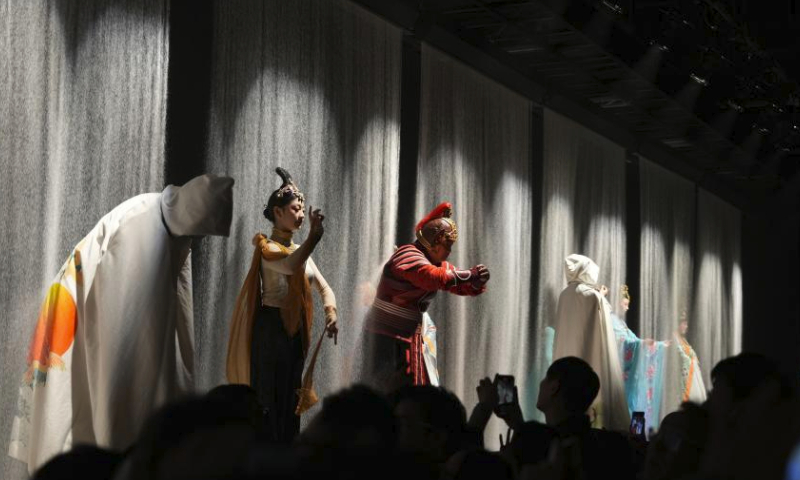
643, 371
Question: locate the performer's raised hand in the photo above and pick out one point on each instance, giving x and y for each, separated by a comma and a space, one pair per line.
480, 275
316, 229
330, 324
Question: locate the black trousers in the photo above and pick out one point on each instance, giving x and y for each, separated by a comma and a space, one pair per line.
387, 367
276, 372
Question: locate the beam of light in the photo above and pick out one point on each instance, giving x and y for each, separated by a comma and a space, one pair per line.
725, 121
753, 142
647, 66
599, 27
689, 94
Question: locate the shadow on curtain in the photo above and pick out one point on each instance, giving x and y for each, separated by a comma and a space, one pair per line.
583, 196
312, 87
475, 151
82, 123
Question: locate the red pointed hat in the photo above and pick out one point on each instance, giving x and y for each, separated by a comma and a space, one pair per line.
437, 225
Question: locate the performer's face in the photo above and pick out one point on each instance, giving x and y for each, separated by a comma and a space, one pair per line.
290, 217
683, 327
441, 251
625, 304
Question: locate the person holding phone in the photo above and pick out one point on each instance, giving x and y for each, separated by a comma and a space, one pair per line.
643, 363
498, 396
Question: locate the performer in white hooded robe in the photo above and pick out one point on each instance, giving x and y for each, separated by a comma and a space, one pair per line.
115, 337
584, 329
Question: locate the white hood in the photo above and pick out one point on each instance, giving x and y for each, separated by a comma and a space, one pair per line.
203, 206
578, 268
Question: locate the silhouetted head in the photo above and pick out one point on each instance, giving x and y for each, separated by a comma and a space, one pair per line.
430, 422
195, 438
354, 429
677, 448
86, 462
569, 388
477, 465
740, 375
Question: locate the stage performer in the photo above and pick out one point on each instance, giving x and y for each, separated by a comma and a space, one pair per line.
584, 329
693, 388
272, 320
643, 364
399, 334
115, 337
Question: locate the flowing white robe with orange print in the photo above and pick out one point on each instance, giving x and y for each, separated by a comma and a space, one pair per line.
114, 338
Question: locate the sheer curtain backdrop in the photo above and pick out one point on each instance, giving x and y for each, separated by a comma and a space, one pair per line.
583, 212
313, 87
666, 277
82, 122
475, 151
715, 324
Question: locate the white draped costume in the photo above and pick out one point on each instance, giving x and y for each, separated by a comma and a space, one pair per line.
584, 329
115, 339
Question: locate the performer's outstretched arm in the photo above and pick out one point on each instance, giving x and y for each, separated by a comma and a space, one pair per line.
291, 263
415, 268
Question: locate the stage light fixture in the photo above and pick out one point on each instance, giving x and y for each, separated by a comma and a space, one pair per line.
699, 80
735, 105
612, 7
761, 129
659, 45
777, 108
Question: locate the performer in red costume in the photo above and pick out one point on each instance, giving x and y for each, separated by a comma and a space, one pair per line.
400, 337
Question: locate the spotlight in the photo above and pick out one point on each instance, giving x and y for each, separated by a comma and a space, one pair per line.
612, 7
735, 105
659, 45
795, 127
761, 129
699, 80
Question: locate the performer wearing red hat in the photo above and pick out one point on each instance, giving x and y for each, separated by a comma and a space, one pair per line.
400, 337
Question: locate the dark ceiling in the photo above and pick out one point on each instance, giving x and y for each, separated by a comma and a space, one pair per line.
712, 82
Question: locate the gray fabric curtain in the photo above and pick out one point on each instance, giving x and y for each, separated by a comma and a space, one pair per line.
666, 276
82, 121
313, 87
583, 211
475, 151
668, 216
715, 324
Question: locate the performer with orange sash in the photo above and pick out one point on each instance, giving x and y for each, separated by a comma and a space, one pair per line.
400, 335
271, 324
693, 387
